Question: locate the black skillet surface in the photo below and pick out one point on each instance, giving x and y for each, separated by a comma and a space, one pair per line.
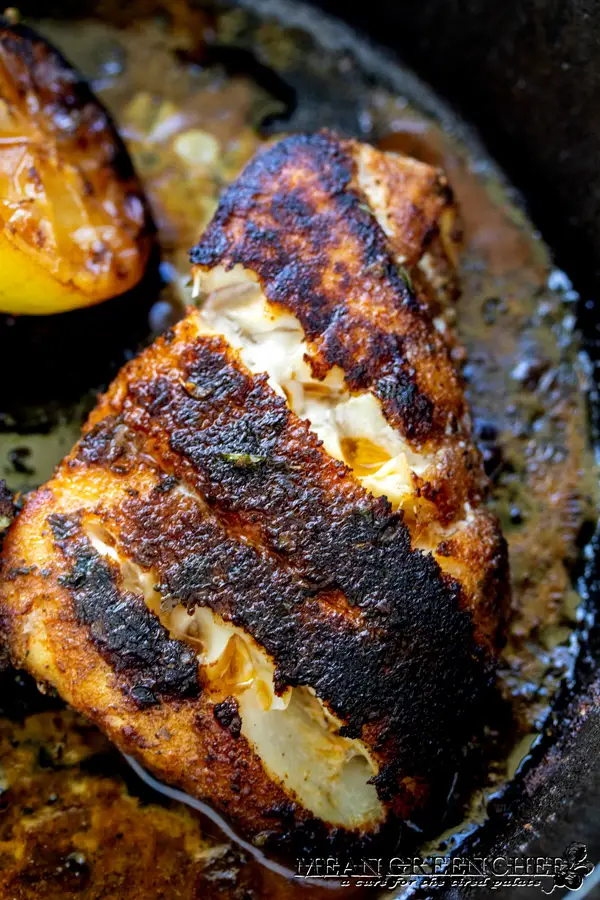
527, 74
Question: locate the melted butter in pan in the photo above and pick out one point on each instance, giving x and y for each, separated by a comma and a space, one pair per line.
75, 823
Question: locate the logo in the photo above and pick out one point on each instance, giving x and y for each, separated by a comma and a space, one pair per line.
543, 874
572, 868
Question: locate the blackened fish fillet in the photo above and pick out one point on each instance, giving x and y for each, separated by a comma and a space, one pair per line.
266, 569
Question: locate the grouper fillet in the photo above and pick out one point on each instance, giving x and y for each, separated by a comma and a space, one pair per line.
266, 569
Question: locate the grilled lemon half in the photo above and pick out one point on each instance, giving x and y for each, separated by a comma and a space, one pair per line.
74, 225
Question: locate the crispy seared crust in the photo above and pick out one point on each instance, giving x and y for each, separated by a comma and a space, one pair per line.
203, 477
298, 218
376, 640
112, 660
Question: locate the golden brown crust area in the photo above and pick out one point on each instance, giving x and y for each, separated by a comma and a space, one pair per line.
414, 206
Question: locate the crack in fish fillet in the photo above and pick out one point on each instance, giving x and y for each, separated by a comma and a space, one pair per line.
352, 426
293, 733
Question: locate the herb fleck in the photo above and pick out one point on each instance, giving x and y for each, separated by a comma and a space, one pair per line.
243, 460
404, 275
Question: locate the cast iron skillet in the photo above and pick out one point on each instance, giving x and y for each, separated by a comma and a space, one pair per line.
526, 73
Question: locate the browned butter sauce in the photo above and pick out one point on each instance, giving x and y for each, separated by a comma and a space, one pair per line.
74, 822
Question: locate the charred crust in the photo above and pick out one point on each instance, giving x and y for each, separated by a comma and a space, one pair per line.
124, 631
386, 782
63, 527
111, 443
15, 572
285, 812
401, 397
166, 484
62, 90
143, 696
227, 715
288, 235
324, 577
